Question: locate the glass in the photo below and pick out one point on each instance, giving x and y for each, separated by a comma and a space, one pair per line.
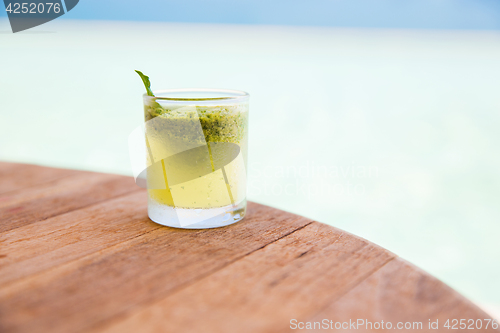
197, 149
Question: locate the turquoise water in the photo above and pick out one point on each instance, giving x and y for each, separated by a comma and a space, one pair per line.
389, 134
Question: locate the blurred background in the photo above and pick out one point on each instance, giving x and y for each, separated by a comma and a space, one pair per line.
379, 117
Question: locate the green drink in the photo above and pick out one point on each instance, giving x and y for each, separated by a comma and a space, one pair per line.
197, 146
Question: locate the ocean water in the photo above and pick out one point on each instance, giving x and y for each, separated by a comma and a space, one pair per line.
388, 134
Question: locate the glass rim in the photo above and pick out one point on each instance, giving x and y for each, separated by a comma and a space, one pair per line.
235, 95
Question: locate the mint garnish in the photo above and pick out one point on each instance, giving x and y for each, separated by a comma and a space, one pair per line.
147, 83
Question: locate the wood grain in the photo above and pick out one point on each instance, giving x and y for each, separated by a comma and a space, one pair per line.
31, 175
293, 277
400, 292
103, 285
79, 254
23, 207
71, 236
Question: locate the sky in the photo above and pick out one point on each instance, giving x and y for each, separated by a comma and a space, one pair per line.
406, 14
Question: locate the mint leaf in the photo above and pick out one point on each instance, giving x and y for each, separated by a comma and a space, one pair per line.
153, 108
147, 83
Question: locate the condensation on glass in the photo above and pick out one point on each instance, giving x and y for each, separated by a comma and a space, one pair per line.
191, 155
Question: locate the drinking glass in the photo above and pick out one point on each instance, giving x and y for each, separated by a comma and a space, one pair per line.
196, 142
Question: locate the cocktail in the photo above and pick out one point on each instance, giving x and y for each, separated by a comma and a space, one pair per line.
196, 142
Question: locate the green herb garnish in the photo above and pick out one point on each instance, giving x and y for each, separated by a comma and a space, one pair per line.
154, 108
147, 83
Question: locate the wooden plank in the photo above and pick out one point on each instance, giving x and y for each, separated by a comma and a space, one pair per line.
94, 262
293, 277
108, 283
34, 248
23, 207
400, 292
16, 176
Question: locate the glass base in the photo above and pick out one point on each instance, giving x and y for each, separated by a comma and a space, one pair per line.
190, 218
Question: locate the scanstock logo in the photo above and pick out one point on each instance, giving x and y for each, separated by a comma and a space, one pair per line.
29, 14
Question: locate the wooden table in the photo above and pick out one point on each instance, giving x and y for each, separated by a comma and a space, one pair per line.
79, 254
